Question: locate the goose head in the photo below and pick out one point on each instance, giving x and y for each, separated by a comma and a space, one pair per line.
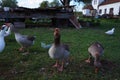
57, 36
56, 32
12, 27
113, 29
3, 29
97, 63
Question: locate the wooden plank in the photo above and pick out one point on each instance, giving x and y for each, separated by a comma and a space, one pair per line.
75, 22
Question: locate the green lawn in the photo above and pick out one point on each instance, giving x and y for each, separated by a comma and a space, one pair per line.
38, 65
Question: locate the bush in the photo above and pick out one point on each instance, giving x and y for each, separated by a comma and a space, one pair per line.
28, 21
89, 22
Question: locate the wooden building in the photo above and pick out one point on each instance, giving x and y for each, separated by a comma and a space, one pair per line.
60, 16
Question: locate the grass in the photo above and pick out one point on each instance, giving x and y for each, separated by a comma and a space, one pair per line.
38, 65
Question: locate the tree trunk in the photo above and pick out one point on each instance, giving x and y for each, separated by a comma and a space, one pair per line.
65, 2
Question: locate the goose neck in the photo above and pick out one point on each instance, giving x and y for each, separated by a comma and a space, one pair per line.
57, 40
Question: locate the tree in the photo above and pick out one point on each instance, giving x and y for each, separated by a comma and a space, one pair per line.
55, 3
85, 1
67, 2
8, 3
44, 4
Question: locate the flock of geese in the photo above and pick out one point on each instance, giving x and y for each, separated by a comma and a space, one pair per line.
57, 50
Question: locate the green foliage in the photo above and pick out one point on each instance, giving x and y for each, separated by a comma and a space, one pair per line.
28, 21
1, 23
55, 3
44, 4
8, 3
110, 20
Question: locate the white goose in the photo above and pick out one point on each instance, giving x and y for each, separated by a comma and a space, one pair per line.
58, 51
8, 32
25, 41
2, 41
44, 45
110, 32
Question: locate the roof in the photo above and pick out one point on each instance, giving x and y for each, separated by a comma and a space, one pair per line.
109, 2
21, 9
88, 7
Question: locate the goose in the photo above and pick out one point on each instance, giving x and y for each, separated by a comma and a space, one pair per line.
44, 45
2, 41
110, 32
7, 32
25, 41
95, 50
58, 51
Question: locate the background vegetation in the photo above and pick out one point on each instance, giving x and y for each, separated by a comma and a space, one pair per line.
8, 3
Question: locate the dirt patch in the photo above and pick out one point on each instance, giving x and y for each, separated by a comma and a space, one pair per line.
108, 65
